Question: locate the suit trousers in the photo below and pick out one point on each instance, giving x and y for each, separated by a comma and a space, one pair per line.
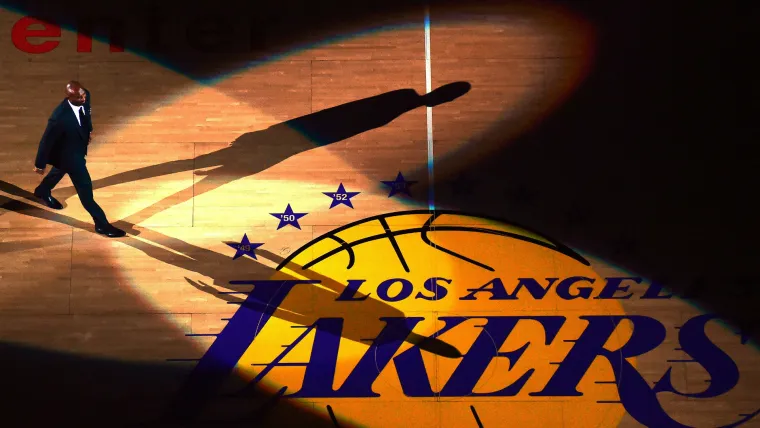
80, 177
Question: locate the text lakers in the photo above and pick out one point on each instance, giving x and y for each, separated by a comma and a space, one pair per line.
320, 358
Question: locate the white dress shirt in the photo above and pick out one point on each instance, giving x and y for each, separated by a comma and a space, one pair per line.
76, 111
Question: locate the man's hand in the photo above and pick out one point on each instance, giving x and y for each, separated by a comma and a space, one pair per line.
39, 171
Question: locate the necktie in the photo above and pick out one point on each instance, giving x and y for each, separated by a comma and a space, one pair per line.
81, 116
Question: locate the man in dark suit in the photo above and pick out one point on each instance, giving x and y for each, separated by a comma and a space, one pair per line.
64, 146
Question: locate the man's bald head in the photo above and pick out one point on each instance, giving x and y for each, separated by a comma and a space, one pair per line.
75, 93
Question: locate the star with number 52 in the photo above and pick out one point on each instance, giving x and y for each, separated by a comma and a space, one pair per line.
340, 196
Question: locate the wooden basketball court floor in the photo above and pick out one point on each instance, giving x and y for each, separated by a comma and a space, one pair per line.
65, 288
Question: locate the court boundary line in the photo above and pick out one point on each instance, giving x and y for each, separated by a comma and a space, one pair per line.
428, 89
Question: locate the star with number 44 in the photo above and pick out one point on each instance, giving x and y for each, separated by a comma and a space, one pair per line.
244, 248
340, 196
399, 185
289, 218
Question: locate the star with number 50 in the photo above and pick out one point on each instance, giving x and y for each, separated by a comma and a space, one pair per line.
340, 196
288, 218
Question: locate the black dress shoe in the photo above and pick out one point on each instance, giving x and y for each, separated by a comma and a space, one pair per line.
50, 201
110, 231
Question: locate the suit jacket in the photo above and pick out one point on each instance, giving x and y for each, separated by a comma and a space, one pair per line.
64, 143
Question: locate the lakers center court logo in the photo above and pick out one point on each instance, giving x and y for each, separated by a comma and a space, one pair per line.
423, 318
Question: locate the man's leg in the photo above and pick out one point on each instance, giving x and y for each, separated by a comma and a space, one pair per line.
82, 181
49, 182
43, 191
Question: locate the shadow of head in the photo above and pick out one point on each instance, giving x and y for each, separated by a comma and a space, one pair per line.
446, 93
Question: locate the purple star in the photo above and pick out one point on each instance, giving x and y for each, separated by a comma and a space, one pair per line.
244, 248
341, 197
399, 185
288, 218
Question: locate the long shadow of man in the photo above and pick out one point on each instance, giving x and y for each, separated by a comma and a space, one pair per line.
256, 151
247, 155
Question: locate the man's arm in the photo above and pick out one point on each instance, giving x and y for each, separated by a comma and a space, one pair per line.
49, 138
88, 108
